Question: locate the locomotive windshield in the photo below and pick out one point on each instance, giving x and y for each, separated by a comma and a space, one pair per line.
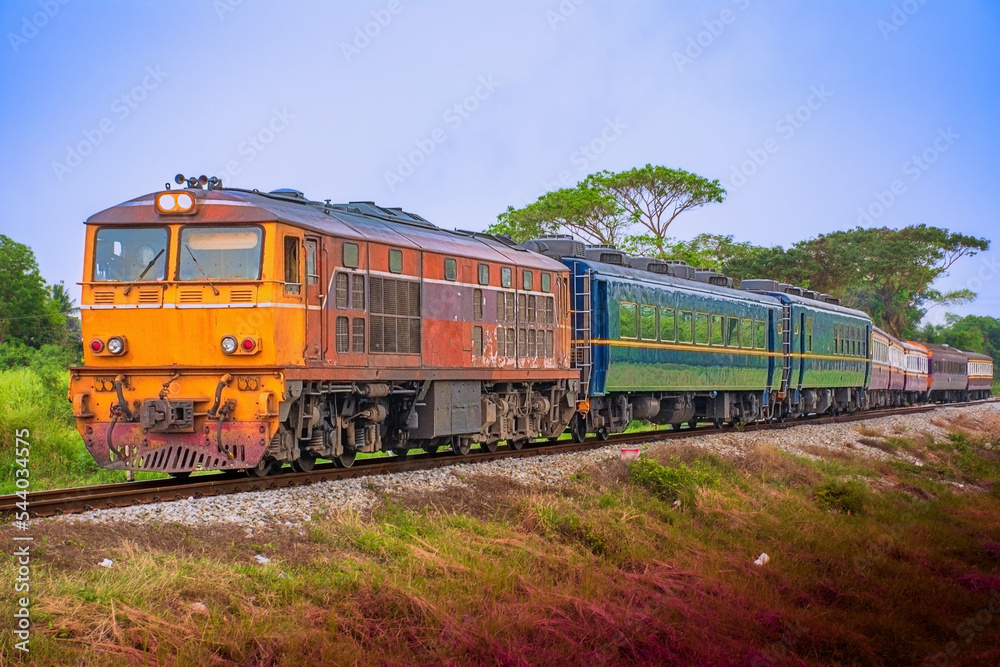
224, 253
129, 255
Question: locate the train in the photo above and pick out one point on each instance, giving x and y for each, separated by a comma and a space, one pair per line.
233, 329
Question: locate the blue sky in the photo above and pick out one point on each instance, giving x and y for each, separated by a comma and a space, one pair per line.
809, 112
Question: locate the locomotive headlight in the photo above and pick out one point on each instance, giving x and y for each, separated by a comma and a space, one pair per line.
116, 345
169, 202
166, 203
228, 344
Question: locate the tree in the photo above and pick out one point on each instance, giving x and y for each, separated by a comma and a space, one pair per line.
608, 207
27, 313
972, 333
652, 197
888, 273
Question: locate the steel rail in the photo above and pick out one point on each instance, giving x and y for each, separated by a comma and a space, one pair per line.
108, 496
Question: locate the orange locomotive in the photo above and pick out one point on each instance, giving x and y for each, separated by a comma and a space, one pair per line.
235, 329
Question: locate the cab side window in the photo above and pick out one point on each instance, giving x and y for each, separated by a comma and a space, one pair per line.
293, 278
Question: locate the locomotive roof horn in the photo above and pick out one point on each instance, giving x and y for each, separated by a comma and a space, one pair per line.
199, 182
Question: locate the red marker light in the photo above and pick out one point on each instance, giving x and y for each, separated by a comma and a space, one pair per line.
248, 344
96, 345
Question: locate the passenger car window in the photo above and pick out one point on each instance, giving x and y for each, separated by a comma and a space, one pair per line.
701, 328
718, 329
450, 269
685, 327
648, 322
733, 333
627, 320
668, 325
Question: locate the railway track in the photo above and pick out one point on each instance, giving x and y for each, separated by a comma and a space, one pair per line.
107, 496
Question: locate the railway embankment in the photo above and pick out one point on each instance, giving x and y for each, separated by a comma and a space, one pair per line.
882, 540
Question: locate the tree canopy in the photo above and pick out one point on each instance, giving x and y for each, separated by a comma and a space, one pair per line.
634, 207
27, 312
972, 333
888, 273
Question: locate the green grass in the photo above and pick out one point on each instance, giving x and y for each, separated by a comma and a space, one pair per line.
35, 399
609, 569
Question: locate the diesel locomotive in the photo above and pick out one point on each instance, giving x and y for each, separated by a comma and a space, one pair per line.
235, 329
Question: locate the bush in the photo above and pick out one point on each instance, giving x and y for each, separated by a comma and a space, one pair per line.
850, 497
669, 483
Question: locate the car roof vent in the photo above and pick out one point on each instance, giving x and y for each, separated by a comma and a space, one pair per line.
829, 299
757, 285
288, 192
606, 254
791, 289
556, 246
680, 269
712, 278
809, 294
650, 264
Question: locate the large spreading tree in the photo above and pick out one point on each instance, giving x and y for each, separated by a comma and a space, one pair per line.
633, 208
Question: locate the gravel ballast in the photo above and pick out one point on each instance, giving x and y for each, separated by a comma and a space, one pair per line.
259, 510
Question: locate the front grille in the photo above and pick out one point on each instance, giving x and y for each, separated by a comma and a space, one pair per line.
191, 296
241, 296
104, 297
149, 295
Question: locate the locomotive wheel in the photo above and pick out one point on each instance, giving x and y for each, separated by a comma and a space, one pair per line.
578, 428
603, 433
488, 446
264, 468
718, 423
693, 423
304, 463
515, 445
345, 460
461, 446
676, 426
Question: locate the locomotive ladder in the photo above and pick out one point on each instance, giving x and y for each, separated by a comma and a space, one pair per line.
582, 330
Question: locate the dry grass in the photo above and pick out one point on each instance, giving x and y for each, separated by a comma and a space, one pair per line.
600, 572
